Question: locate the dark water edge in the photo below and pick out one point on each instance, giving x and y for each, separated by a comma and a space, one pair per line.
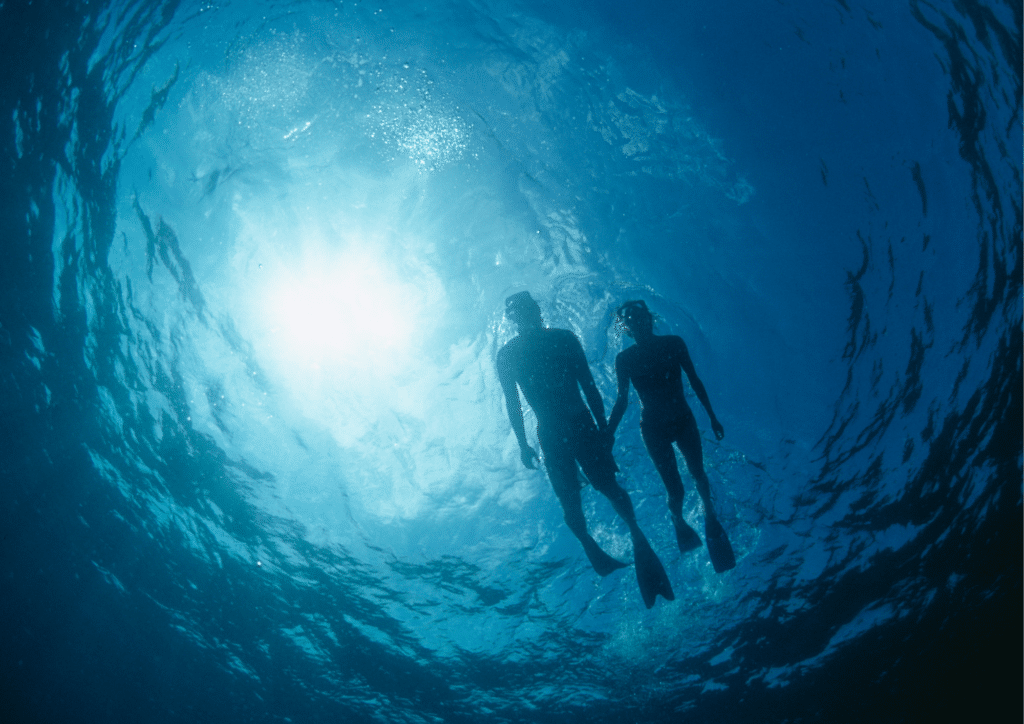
964, 652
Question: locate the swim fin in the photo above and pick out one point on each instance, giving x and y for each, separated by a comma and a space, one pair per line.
719, 548
686, 536
601, 561
650, 574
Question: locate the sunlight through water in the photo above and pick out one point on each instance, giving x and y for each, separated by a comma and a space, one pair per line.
254, 446
343, 311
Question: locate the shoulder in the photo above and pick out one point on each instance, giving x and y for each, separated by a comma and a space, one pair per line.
674, 342
563, 338
626, 357
508, 351
676, 350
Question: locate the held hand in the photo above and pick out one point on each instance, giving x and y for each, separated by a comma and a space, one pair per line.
528, 455
719, 431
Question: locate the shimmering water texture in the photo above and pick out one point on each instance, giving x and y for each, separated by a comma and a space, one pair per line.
255, 456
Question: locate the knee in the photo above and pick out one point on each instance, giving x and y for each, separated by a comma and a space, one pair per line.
694, 460
614, 492
605, 484
574, 518
699, 475
572, 504
670, 476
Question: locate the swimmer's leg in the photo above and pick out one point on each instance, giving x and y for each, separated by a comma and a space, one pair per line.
574, 518
563, 480
719, 548
664, 459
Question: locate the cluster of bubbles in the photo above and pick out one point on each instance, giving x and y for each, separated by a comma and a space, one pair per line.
412, 124
268, 86
431, 140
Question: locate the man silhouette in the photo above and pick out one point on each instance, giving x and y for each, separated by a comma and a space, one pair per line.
653, 365
549, 366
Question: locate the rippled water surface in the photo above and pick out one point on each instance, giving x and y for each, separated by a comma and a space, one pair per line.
255, 459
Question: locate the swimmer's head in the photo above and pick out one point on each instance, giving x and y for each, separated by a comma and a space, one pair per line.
523, 310
635, 318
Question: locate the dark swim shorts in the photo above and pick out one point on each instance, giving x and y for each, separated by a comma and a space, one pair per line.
579, 442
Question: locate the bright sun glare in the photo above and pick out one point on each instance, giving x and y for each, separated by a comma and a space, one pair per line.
349, 310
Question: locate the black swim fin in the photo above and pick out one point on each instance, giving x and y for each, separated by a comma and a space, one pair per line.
602, 562
686, 536
650, 574
719, 548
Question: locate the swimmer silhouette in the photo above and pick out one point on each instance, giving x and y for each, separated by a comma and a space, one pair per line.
653, 365
549, 367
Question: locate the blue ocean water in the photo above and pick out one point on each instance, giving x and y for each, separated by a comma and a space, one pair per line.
254, 454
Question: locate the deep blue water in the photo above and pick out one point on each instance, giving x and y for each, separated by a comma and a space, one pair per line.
254, 456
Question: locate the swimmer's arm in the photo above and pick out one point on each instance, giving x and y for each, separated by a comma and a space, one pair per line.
698, 387
622, 400
586, 381
515, 409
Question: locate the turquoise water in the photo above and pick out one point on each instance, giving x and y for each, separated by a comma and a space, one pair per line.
257, 465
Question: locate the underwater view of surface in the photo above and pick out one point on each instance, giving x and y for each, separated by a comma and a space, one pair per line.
255, 459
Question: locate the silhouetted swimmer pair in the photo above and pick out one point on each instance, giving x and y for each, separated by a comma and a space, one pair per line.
550, 368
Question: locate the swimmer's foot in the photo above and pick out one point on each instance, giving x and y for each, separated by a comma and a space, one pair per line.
602, 562
650, 574
686, 536
719, 548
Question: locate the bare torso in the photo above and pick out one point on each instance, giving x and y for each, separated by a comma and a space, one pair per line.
548, 365
655, 369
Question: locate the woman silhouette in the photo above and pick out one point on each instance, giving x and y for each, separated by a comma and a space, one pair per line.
654, 365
